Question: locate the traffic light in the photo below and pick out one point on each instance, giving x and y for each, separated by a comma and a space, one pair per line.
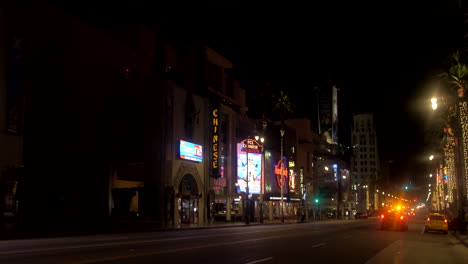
406, 187
316, 200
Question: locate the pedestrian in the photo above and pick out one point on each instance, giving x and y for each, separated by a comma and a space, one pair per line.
455, 224
461, 222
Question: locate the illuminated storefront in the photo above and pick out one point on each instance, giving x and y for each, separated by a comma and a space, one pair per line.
249, 167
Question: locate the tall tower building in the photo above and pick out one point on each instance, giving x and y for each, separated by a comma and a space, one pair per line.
365, 162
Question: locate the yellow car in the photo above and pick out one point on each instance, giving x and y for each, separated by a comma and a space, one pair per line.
436, 222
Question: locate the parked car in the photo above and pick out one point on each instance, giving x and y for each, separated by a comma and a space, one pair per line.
436, 222
361, 215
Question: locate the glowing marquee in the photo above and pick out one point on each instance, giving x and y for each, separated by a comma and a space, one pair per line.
215, 145
281, 177
249, 167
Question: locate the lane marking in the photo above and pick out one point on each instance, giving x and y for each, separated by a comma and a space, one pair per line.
319, 245
260, 260
175, 250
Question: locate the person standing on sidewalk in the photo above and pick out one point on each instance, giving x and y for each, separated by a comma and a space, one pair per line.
461, 222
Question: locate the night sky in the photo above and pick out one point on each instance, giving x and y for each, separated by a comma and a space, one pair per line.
380, 53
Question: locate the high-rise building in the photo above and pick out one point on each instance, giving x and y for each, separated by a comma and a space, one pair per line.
365, 165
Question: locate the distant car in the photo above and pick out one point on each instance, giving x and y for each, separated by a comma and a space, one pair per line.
361, 215
393, 221
436, 222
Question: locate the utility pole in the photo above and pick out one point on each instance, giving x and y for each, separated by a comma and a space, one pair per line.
338, 206
247, 206
281, 173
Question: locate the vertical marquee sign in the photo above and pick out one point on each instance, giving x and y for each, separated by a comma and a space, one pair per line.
215, 143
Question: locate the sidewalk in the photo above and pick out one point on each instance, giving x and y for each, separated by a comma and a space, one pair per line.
462, 238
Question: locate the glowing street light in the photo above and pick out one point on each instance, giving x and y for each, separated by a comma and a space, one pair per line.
434, 103
431, 157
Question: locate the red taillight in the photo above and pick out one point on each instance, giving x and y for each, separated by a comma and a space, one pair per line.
402, 217
382, 216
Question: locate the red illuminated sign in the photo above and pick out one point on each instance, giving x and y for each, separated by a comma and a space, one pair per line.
281, 177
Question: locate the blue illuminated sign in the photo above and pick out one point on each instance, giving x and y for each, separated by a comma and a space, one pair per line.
191, 151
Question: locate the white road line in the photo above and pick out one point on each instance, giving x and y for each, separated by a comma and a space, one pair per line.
260, 260
319, 245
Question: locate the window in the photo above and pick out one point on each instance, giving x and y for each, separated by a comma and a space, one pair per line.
436, 217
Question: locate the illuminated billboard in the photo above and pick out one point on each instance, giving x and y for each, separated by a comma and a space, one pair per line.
251, 167
190, 151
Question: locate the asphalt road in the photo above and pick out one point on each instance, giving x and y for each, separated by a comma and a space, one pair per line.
348, 241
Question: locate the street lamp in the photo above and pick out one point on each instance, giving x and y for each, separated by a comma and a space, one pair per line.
247, 213
262, 139
282, 179
434, 103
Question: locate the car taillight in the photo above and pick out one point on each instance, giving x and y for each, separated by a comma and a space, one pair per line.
382, 216
401, 217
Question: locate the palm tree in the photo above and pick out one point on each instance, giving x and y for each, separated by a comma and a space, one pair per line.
457, 74
282, 105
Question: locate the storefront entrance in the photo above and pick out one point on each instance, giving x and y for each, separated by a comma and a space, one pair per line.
188, 204
189, 211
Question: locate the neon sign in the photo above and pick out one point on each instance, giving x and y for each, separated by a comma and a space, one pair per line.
292, 180
215, 144
281, 176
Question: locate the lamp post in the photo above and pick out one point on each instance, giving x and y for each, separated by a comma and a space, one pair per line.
247, 200
262, 140
282, 178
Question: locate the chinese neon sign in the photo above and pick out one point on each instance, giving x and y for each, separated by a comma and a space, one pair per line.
215, 144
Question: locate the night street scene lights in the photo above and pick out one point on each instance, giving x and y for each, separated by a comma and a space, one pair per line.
451, 168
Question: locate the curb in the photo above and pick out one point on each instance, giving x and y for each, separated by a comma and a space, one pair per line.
465, 243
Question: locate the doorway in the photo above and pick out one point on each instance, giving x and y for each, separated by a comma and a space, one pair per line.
189, 211
188, 190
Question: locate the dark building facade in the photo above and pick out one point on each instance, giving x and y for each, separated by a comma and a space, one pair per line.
90, 106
